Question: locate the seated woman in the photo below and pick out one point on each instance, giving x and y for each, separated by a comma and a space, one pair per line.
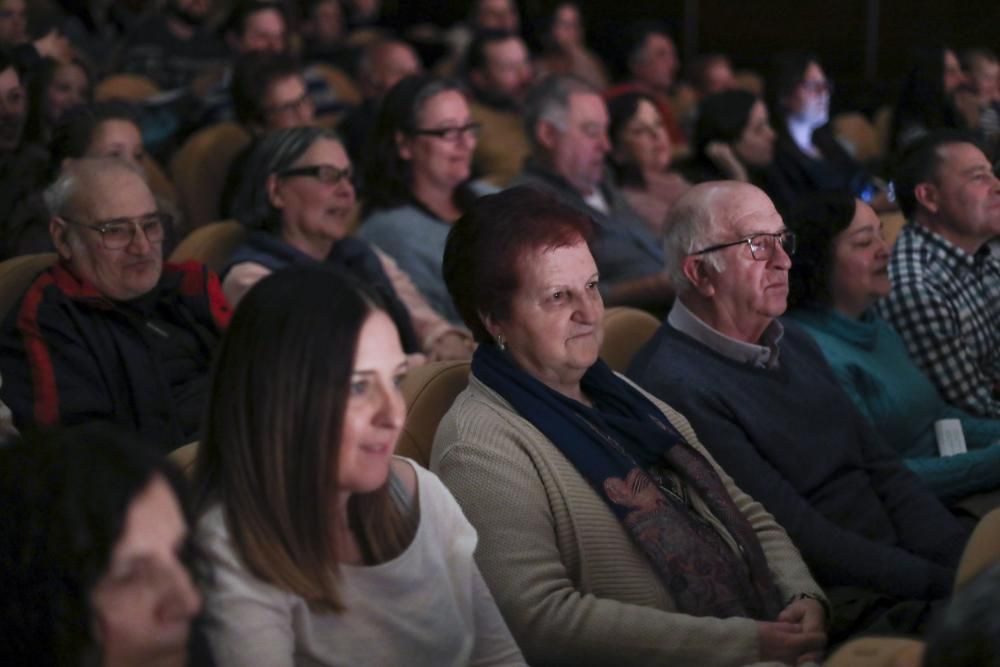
297, 201
934, 96
608, 535
640, 158
94, 550
840, 271
417, 179
327, 549
733, 140
564, 48
54, 90
808, 158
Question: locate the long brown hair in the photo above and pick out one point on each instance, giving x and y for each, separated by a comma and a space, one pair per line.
272, 434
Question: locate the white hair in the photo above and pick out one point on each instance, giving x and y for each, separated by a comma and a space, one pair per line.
690, 226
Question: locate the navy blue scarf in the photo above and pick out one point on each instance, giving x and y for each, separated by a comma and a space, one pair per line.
641, 466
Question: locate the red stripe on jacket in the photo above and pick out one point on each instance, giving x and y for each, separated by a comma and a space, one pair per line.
43, 376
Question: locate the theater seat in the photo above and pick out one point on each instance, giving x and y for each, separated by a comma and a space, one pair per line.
892, 225
211, 244
17, 273
131, 87
982, 550
856, 130
878, 652
340, 82
183, 457
625, 331
429, 392
199, 170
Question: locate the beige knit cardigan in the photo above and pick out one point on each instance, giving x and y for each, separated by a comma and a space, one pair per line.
572, 585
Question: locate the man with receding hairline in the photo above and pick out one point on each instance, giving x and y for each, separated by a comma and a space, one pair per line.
110, 332
766, 404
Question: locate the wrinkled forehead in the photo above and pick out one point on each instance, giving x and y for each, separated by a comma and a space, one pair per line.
960, 157
745, 213
117, 193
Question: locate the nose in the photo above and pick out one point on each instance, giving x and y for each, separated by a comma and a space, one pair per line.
139, 245
604, 143
392, 412
590, 308
181, 600
780, 259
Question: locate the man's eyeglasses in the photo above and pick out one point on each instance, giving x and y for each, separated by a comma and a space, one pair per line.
324, 173
451, 134
290, 107
118, 233
761, 245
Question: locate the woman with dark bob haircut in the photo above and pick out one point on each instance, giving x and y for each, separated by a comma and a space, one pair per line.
417, 178
840, 271
297, 202
94, 549
328, 550
608, 534
733, 139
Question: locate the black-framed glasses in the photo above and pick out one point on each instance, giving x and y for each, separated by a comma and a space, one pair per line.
118, 233
452, 134
761, 245
324, 173
290, 107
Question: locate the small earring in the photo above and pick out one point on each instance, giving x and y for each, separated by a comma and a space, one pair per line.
501, 343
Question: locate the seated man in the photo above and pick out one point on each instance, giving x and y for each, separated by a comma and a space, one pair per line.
762, 398
109, 332
567, 124
945, 299
498, 72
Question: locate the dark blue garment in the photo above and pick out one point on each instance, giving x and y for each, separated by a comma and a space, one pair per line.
351, 254
791, 438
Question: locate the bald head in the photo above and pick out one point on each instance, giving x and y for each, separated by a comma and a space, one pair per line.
384, 64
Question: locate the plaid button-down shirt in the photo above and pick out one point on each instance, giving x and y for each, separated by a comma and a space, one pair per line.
945, 303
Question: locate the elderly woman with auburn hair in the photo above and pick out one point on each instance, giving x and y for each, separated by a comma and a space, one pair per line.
608, 534
328, 550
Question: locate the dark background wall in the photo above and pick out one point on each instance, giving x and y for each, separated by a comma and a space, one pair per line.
863, 44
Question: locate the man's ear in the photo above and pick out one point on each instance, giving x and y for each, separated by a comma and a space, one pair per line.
928, 196
699, 274
59, 231
547, 134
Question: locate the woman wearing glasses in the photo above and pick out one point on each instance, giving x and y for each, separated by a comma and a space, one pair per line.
807, 155
417, 179
297, 200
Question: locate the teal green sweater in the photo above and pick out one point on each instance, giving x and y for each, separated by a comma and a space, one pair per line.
874, 368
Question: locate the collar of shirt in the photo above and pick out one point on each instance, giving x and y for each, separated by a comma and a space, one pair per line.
759, 356
953, 258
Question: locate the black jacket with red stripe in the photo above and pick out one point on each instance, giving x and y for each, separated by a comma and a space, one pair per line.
70, 355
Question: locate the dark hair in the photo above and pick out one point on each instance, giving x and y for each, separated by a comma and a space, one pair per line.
722, 117
482, 258
967, 634
73, 137
630, 41
38, 125
275, 152
475, 55
244, 9
816, 220
787, 71
65, 496
387, 176
621, 109
923, 102
918, 163
253, 74
276, 408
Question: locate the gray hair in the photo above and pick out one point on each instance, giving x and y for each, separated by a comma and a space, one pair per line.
276, 152
690, 226
549, 100
61, 195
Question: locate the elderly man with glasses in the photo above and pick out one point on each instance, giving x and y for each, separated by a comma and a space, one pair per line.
762, 398
110, 332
